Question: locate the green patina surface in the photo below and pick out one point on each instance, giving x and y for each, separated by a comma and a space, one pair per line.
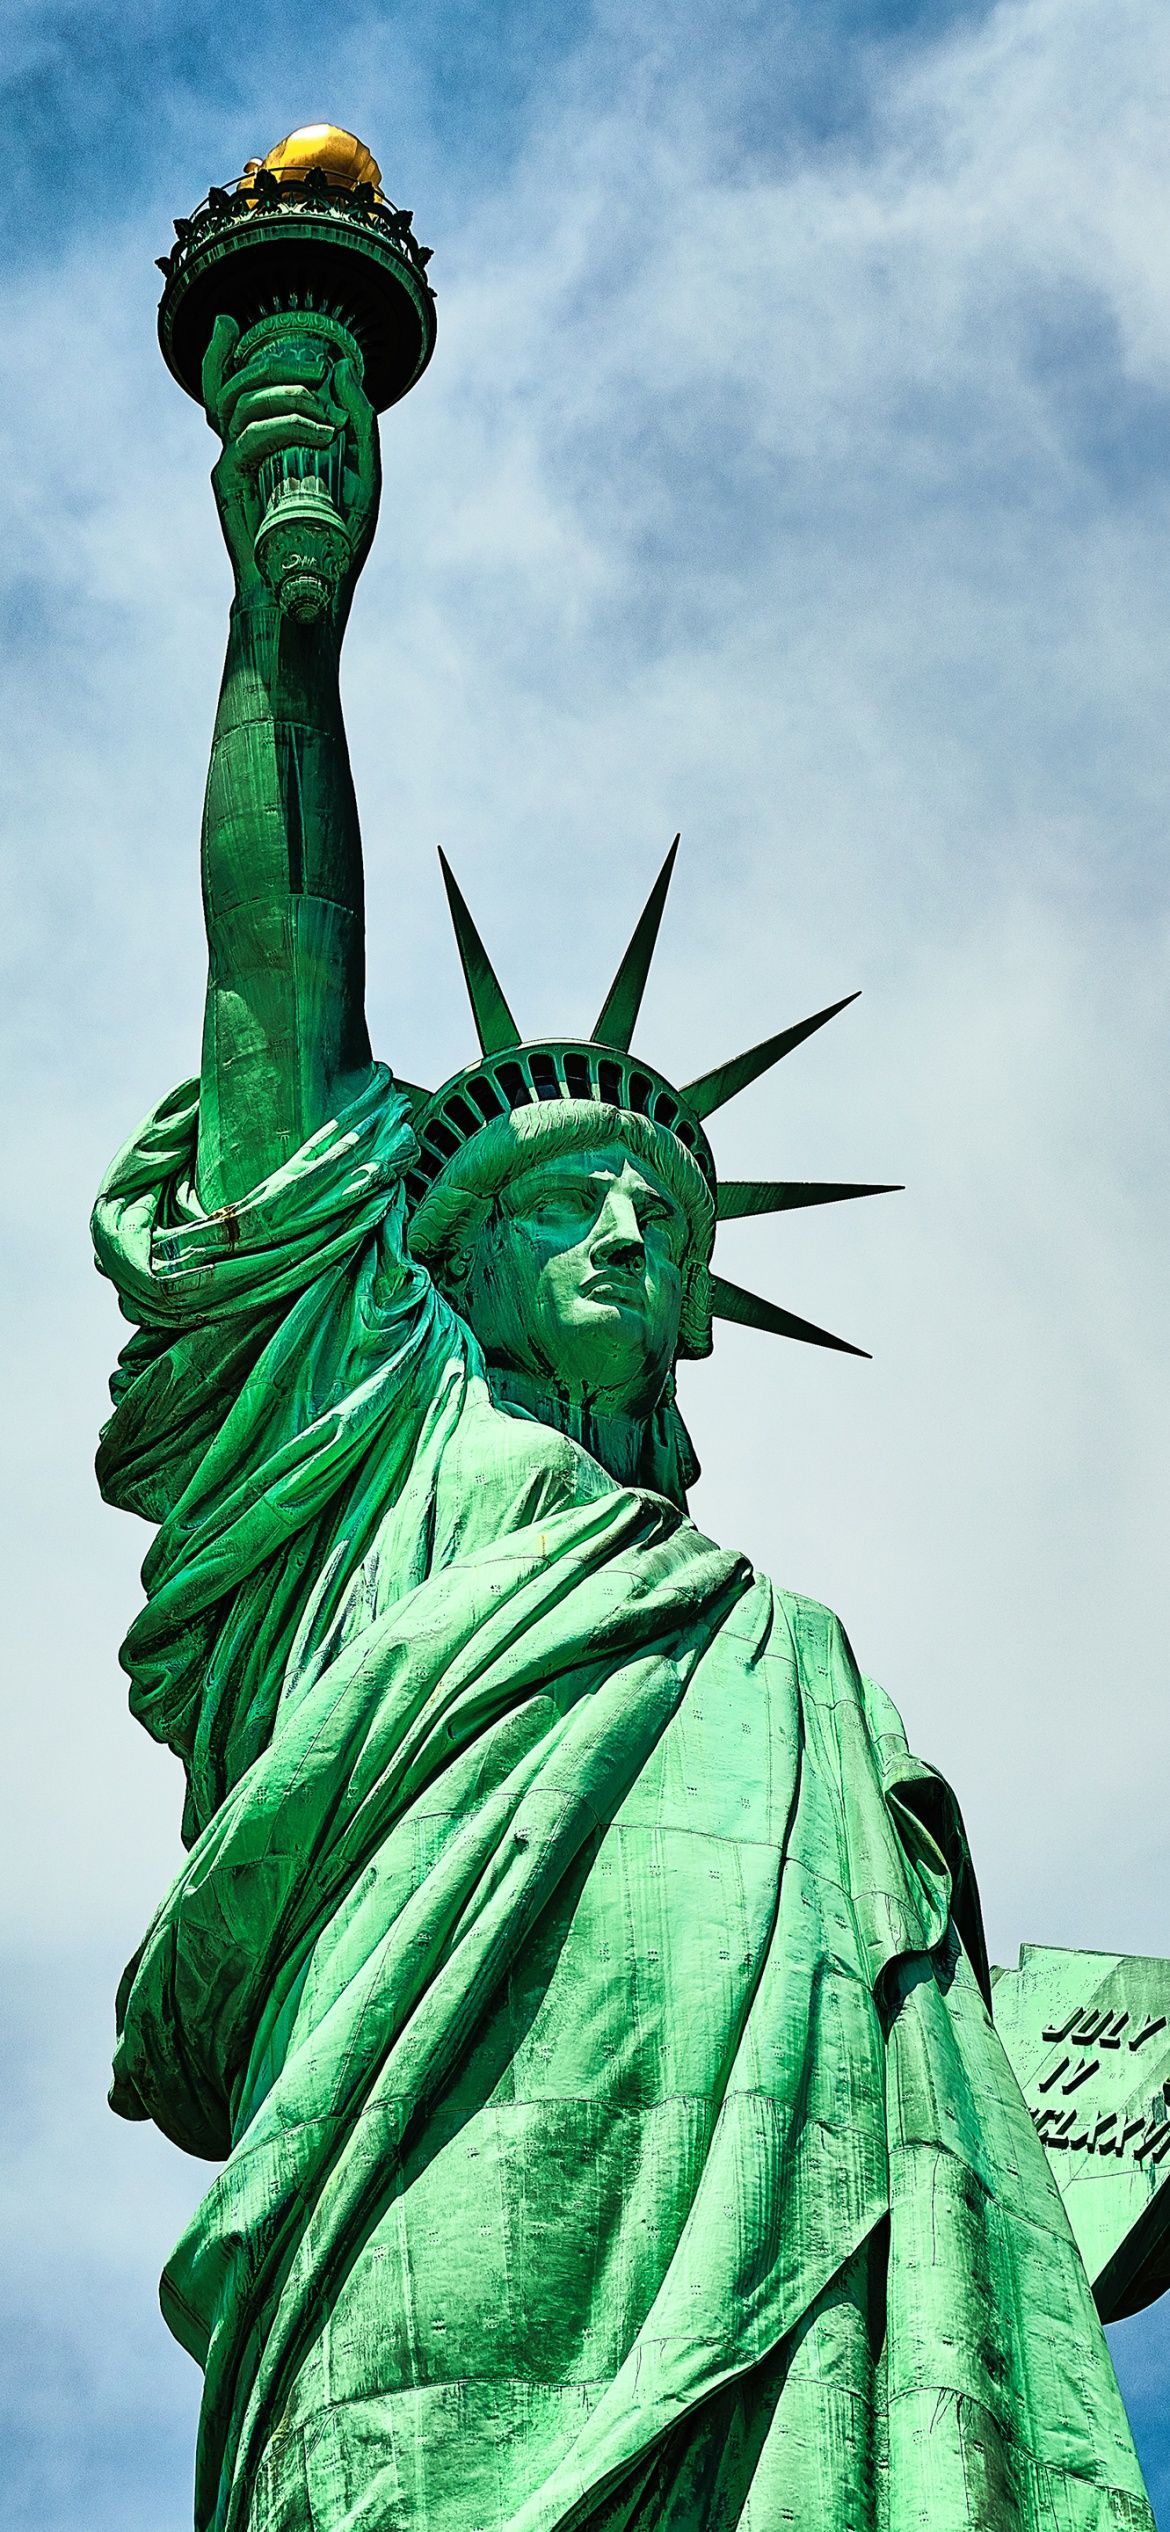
576, 1979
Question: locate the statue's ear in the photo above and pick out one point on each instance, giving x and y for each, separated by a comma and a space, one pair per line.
455, 1270
460, 1253
454, 1250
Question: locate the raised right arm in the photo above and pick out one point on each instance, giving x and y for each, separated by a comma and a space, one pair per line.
285, 1041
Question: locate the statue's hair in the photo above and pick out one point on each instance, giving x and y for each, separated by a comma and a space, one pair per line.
446, 1225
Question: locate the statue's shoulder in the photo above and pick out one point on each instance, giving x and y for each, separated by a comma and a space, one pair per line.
826, 1661
816, 1630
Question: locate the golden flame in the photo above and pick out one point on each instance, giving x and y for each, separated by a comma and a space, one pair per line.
342, 157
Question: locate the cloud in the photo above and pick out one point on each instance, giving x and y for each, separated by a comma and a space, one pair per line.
791, 469
98, 2409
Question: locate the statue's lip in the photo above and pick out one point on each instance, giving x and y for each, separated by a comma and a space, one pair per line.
610, 1284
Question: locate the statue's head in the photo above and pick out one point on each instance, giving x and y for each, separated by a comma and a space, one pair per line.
565, 1198
575, 1241
577, 1276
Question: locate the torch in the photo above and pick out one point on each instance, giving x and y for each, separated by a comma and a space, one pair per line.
305, 250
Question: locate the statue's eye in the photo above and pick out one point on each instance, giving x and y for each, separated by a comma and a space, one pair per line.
663, 1215
559, 1201
673, 1230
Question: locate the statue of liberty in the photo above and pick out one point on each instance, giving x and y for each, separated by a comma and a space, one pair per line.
577, 1982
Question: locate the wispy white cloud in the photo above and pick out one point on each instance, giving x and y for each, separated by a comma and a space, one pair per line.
801, 483
97, 2406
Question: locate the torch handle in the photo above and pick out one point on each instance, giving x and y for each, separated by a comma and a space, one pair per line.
294, 466
303, 546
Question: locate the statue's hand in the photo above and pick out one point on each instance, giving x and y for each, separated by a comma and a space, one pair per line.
287, 396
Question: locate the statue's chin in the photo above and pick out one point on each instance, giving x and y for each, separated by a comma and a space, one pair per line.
607, 1354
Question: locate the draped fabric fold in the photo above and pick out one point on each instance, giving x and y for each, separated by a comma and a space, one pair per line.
576, 1978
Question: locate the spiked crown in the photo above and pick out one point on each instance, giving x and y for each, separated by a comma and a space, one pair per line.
513, 1075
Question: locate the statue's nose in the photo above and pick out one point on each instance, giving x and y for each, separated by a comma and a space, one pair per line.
618, 1239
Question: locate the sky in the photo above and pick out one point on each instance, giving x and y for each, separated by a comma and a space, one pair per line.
794, 470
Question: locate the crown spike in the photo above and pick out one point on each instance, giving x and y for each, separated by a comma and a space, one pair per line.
729, 1301
619, 1011
740, 1196
714, 1089
495, 1027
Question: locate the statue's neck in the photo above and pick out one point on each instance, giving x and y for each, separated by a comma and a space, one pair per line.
619, 1442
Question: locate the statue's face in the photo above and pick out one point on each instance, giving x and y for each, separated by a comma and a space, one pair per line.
579, 1277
